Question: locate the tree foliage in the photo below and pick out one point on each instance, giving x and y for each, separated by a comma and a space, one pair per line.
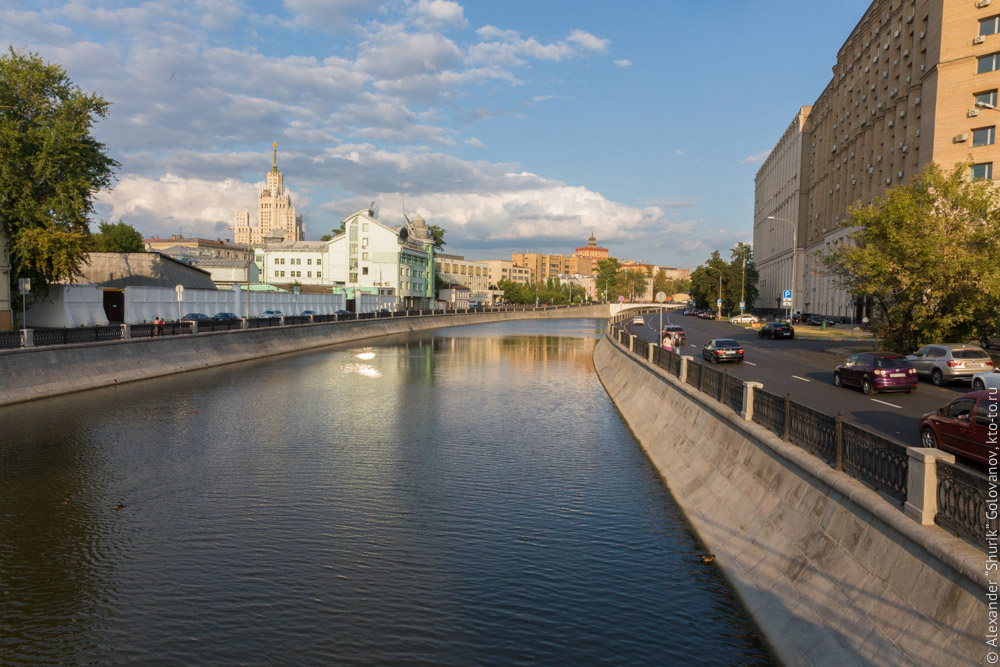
736, 281
116, 237
50, 168
926, 255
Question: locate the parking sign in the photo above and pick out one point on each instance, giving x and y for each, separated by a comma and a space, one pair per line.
787, 294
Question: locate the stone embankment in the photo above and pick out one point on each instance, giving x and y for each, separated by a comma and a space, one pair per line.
33, 373
832, 573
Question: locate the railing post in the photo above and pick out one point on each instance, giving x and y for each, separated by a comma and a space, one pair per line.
747, 409
29, 337
194, 326
838, 460
631, 342
921, 483
652, 350
788, 417
126, 331
683, 372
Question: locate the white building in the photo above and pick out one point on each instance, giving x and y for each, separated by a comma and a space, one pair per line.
294, 262
472, 274
275, 212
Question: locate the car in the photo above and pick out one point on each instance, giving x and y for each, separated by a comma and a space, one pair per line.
271, 313
776, 330
744, 318
384, 312
307, 312
225, 317
638, 320
948, 362
820, 321
340, 312
966, 426
707, 315
722, 349
194, 317
876, 371
987, 380
675, 330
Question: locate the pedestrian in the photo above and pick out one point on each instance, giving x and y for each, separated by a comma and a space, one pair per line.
159, 326
864, 323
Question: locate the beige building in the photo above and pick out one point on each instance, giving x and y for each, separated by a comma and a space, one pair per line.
275, 213
475, 275
915, 82
543, 266
503, 269
179, 245
592, 250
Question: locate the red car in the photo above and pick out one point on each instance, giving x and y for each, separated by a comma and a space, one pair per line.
967, 427
876, 371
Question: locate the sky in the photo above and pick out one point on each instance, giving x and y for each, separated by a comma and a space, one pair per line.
517, 126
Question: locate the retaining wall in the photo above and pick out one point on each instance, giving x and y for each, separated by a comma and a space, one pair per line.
40, 372
832, 573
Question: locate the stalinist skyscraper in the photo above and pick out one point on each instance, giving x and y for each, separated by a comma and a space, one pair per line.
275, 213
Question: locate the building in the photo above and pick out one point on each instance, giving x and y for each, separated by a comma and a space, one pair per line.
592, 250
275, 212
673, 273
180, 247
284, 263
915, 82
544, 266
504, 269
456, 270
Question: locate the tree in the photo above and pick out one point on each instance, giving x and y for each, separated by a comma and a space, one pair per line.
926, 256
607, 273
50, 168
742, 276
437, 233
326, 237
116, 237
705, 281
635, 284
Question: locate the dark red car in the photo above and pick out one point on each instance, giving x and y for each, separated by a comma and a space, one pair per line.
876, 371
966, 427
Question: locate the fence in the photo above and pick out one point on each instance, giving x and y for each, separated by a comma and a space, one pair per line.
962, 498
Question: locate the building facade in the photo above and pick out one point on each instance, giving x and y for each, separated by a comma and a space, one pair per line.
475, 275
504, 269
592, 250
275, 212
915, 82
179, 247
544, 266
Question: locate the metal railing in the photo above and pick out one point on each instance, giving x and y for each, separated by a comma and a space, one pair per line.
962, 497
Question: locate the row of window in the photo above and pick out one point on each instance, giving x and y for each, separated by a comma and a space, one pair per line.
457, 269
297, 274
297, 261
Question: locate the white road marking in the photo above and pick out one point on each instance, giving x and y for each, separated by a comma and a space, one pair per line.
803, 379
891, 405
749, 363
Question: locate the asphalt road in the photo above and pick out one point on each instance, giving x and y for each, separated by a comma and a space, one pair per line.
804, 368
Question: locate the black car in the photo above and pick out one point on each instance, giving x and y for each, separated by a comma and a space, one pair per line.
225, 317
194, 317
776, 330
723, 349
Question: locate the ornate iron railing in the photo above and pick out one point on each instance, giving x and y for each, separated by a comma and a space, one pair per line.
813, 431
711, 380
10, 339
880, 462
734, 393
769, 411
642, 348
142, 330
694, 374
961, 501
78, 335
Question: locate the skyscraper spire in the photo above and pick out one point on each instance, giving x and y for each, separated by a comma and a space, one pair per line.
274, 165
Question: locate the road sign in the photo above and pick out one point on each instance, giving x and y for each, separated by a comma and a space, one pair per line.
661, 297
620, 299
718, 302
743, 304
787, 294
180, 293
786, 303
24, 286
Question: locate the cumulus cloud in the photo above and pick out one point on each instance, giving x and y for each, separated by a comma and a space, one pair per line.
623, 62
474, 142
328, 15
756, 158
442, 12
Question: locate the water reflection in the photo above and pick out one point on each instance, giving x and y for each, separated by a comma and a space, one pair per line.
456, 497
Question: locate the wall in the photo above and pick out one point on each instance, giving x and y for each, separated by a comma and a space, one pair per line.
831, 572
41, 372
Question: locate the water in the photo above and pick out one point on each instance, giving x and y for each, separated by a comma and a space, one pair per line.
468, 496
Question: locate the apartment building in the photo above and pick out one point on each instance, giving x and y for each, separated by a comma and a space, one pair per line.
475, 275
544, 266
915, 82
275, 212
503, 269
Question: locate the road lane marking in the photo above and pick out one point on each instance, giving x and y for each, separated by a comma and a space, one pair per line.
803, 379
891, 405
749, 363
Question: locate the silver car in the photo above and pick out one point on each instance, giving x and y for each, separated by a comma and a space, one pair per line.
947, 362
987, 380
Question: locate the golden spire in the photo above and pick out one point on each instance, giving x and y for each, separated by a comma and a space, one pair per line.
274, 166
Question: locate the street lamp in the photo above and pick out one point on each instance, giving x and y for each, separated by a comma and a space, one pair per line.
795, 230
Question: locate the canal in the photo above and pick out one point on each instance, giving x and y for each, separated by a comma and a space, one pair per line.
463, 496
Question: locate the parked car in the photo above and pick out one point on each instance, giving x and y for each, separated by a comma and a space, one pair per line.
776, 330
987, 380
948, 362
341, 312
723, 349
638, 320
271, 313
963, 426
225, 317
308, 312
876, 371
745, 318
194, 317
707, 315
820, 321
675, 330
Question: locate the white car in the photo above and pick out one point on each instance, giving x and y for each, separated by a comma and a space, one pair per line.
987, 380
638, 320
745, 318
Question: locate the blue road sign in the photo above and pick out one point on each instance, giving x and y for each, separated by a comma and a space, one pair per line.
787, 294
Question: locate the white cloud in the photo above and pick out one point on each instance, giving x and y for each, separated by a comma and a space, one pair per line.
624, 62
588, 42
474, 142
679, 151
442, 11
328, 15
756, 158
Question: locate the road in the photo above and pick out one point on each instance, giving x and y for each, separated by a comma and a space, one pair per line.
804, 368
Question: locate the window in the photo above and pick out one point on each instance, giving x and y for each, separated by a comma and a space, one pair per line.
319, 262
364, 241
989, 98
962, 408
984, 136
309, 274
364, 270
309, 261
981, 171
463, 269
989, 63
319, 274
989, 26
364, 226
364, 256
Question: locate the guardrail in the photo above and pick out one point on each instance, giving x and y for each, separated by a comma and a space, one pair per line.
68, 336
959, 499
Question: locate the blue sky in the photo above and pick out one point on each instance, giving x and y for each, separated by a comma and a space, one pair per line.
517, 126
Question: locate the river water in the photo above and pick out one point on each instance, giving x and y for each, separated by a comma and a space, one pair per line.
465, 496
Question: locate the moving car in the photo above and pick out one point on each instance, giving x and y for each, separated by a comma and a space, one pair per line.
638, 320
308, 312
776, 330
271, 313
963, 426
876, 371
225, 317
341, 312
723, 349
987, 380
947, 362
194, 317
675, 330
745, 318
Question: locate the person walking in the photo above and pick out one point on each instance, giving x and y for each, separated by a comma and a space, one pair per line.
159, 326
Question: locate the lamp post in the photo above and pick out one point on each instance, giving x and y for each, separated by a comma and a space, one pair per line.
795, 230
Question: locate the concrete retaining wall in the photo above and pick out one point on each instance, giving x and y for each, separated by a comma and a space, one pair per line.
49, 371
832, 573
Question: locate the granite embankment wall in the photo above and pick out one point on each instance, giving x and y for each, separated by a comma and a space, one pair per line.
832, 573
41, 372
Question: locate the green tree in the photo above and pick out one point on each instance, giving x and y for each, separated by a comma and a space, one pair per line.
437, 233
705, 281
742, 277
608, 271
926, 255
50, 168
116, 237
326, 237
635, 284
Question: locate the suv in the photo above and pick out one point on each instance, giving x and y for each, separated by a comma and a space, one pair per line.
876, 371
947, 362
776, 330
964, 426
